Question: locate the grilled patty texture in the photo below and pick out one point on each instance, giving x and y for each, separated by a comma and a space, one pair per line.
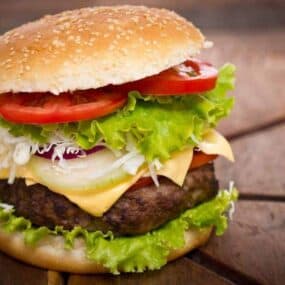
136, 212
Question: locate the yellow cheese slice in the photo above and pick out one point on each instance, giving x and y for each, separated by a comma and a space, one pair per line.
4, 173
214, 143
21, 172
98, 201
30, 182
177, 167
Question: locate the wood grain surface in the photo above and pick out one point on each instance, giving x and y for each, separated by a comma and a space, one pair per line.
254, 245
13, 272
260, 61
258, 168
213, 14
250, 34
176, 273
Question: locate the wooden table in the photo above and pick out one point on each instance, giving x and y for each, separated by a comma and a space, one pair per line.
253, 249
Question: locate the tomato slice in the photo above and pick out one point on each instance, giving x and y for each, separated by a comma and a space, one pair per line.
190, 77
199, 159
45, 108
142, 182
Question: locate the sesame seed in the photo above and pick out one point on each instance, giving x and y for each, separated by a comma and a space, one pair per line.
58, 43
111, 47
71, 38
123, 29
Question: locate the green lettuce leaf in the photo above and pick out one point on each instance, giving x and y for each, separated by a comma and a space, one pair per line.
157, 126
137, 253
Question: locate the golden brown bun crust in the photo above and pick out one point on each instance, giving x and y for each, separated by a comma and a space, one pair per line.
94, 47
50, 253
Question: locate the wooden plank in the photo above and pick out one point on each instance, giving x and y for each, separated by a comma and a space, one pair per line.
55, 278
259, 166
260, 61
183, 271
219, 14
25, 4
13, 272
188, 5
254, 243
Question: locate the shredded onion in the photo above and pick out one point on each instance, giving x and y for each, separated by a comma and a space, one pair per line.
153, 174
131, 166
6, 207
17, 151
124, 161
232, 204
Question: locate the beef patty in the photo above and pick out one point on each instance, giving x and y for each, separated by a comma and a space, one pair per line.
136, 212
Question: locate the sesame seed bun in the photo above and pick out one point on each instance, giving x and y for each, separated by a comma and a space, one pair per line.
94, 47
50, 253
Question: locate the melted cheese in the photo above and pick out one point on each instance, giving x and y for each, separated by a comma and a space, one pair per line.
177, 167
98, 201
30, 182
214, 143
21, 172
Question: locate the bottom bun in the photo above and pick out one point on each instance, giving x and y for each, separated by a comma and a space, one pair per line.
50, 253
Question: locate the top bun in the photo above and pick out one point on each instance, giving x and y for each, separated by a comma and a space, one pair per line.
94, 47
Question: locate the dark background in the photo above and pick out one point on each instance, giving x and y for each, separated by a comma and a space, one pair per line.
250, 34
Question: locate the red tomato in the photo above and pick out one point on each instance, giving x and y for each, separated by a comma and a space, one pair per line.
45, 108
142, 182
192, 76
199, 159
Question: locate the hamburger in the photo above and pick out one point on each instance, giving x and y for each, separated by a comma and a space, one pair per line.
107, 140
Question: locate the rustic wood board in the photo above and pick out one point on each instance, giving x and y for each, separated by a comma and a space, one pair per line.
179, 272
252, 251
13, 272
260, 61
254, 244
258, 168
236, 14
